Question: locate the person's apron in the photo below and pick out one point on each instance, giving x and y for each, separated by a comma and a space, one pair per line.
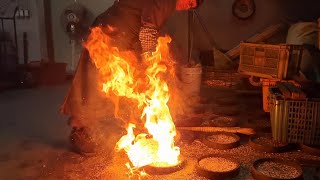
85, 101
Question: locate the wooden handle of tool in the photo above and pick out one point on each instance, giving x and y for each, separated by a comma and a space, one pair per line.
246, 131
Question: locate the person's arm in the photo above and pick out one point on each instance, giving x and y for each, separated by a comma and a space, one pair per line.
155, 13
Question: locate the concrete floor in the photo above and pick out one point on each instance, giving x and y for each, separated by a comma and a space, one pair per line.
34, 137
31, 130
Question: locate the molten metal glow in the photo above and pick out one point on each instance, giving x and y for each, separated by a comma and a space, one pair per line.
121, 77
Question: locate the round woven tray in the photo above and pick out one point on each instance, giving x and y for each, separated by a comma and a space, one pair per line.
222, 121
216, 145
313, 150
268, 148
260, 176
164, 170
218, 175
263, 126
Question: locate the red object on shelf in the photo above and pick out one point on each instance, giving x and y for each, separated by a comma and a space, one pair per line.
47, 73
53, 73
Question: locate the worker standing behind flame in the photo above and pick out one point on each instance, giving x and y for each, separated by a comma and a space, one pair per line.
134, 26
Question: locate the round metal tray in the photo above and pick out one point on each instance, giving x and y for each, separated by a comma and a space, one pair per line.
215, 145
260, 176
218, 175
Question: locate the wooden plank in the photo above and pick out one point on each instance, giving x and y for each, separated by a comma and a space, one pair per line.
259, 37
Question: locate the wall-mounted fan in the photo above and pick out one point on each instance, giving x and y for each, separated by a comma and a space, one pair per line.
243, 9
75, 21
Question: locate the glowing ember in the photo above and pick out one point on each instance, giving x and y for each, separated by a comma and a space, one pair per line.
121, 77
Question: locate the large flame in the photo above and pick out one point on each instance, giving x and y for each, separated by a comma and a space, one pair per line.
121, 77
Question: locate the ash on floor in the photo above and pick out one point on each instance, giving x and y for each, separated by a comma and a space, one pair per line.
248, 111
34, 142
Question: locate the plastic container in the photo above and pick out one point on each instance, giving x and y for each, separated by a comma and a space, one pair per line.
270, 61
294, 121
191, 79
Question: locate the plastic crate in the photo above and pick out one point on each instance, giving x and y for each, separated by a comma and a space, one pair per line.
269, 83
270, 61
294, 121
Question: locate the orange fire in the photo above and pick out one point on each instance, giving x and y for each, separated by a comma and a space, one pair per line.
121, 77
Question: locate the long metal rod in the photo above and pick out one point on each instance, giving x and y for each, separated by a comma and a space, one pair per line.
25, 48
190, 33
49, 33
205, 29
7, 18
16, 40
2, 26
1, 44
4, 53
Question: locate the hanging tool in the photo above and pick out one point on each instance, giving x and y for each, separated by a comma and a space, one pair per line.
190, 34
192, 14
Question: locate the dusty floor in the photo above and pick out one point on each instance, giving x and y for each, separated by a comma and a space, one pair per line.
33, 137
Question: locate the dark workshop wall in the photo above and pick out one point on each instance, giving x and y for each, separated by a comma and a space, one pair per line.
62, 46
31, 26
301, 10
227, 30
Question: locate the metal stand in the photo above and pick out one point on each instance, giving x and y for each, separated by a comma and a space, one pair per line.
192, 14
190, 33
3, 41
